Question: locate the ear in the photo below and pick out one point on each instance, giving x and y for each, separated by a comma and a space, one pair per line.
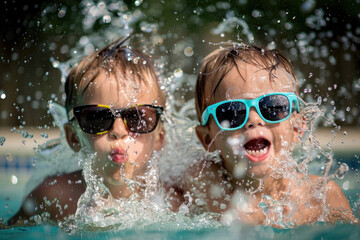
160, 138
299, 127
71, 137
204, 137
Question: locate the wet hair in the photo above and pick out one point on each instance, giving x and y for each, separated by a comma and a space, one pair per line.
219, 62
116, 58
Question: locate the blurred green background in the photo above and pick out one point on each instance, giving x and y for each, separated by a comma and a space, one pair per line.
322, 39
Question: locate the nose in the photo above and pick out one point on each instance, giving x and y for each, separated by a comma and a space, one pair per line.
118, 130
254, 119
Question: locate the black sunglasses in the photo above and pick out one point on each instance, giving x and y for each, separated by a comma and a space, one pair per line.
99, 119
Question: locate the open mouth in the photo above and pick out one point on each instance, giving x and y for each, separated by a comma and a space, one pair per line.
257, 149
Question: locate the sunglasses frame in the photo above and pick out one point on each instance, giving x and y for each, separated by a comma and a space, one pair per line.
211, 110
76, 111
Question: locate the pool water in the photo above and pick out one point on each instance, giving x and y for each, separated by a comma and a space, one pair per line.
315, 231
12, 190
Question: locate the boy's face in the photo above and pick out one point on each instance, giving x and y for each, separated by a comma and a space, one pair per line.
132, 150
272, 137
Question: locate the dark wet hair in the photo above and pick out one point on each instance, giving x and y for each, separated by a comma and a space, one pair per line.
114, 58
219, 62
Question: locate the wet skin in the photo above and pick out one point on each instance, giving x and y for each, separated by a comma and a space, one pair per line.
243, 172
133, 150
256, 83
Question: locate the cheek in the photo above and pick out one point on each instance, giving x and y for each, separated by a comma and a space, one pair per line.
99, 145
142, 144
226, 142
89, 141
284, 135
96, 144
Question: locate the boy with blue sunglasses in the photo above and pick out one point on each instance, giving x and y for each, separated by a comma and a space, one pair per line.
248, 108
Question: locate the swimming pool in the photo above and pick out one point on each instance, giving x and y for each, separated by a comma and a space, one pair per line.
14, 176
316, 231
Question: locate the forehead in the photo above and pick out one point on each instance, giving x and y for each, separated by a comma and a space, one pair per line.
250, 81
120, 90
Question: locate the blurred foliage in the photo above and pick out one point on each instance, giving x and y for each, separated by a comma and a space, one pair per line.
320, 37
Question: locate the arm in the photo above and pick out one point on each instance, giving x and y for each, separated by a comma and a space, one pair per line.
56, 198
337, 204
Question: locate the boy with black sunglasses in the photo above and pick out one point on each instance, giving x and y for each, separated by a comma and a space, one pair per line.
248, 108
114, 103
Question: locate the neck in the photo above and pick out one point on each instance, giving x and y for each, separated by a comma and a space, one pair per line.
275, 187
247, 183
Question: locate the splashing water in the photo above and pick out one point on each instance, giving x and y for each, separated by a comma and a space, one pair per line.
98, 210
2, 140
273, 209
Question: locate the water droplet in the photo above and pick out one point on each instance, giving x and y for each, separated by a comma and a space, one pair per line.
106, 19
2, 140
188, 51
178, 72
55, 64
136, 60
348, 109
61, 13
138, 2
319, 100
9, 157
346, 185
341, 171
14, 179
44, 135
26, 134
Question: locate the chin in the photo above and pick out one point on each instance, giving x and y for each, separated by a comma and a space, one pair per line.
259, 171
115, 181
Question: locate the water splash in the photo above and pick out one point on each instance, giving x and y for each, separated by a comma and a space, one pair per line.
232, 22
2, 141
119, 21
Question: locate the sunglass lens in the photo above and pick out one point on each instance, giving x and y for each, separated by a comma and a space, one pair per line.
141, 119
96, 119
274, 107
231, 115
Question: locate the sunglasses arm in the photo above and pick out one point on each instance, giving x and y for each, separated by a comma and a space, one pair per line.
71, 115
205, 117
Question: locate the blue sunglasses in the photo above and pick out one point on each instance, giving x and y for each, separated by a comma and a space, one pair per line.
233, 114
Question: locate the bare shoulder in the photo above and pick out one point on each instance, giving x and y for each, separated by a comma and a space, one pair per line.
336, 203
54, 199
